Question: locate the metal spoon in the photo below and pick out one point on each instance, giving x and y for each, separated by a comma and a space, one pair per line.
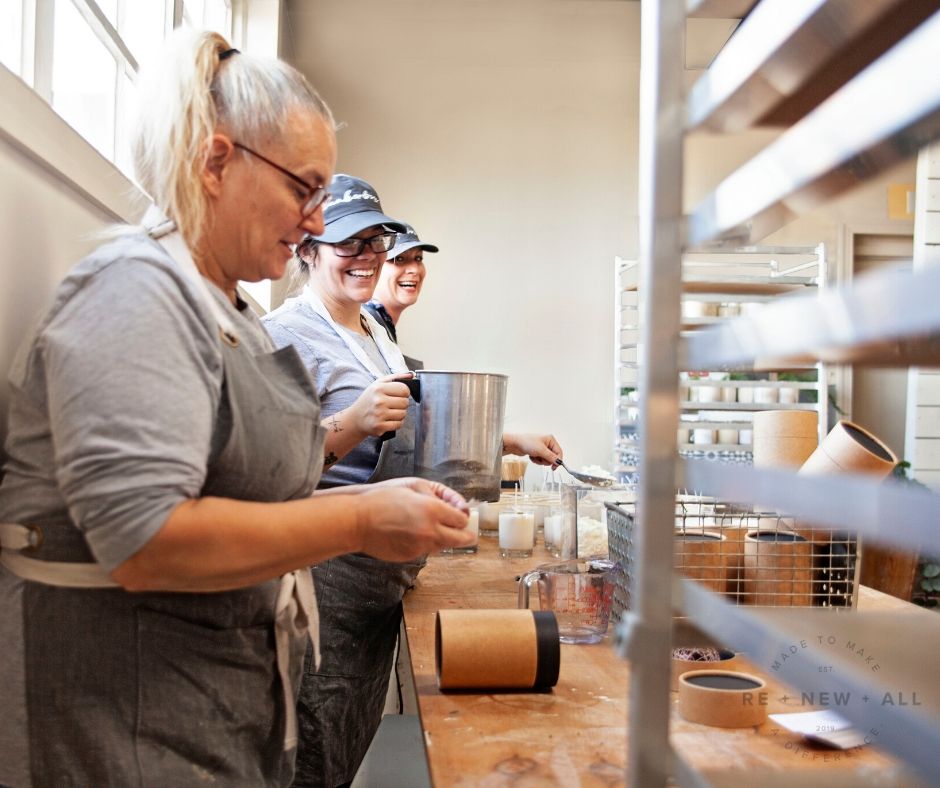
596, 481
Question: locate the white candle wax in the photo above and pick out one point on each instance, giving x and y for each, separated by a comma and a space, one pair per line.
552, 529
516, 530
473, 525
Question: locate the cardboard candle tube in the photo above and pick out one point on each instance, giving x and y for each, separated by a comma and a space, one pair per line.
699, 555
688, 659
784, 438
497, 649
778, 569
722, 698
849, 448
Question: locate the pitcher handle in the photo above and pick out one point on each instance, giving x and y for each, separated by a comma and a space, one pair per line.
525, 582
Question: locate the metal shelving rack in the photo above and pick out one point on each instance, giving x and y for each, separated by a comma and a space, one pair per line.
883, 108
724, 281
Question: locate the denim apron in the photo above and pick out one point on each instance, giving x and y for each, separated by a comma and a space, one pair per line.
359, 599
177, 688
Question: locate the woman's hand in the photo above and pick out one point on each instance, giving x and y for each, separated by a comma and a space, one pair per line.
426, 487
541, 449
382, 406
400, 523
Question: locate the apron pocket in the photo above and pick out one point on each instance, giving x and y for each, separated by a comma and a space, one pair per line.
209, 702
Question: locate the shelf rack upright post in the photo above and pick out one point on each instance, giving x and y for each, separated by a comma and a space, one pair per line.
778, 65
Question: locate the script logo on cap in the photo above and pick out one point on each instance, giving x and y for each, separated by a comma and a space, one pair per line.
349, 196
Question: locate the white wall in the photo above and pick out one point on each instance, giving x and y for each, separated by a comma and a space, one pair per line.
923, 407
55, 193
506, 133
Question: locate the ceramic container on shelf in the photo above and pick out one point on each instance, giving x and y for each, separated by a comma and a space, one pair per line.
706, 393
788, 395
765, 394
728, 436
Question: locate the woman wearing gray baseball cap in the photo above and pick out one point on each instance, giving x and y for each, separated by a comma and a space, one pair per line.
360, 375
401, 279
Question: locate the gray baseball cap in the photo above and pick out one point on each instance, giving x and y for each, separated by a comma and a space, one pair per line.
353, 205
408, 240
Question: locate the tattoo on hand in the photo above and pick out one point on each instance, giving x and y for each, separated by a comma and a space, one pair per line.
334, 424
329, 459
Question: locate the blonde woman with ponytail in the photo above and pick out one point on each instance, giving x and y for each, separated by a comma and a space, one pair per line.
158, 497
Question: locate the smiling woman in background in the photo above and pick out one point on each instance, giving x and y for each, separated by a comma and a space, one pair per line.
162, 455
359, 375
400, 280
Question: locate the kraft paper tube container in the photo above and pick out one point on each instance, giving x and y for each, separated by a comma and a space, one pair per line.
784, 438
722, 698
497, 649
700, 556
778, 569
849, 448
726, 660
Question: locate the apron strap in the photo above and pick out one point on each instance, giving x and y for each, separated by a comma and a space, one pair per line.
14, 538
296, 615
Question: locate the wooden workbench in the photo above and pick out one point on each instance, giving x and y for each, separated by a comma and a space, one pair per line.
575, 735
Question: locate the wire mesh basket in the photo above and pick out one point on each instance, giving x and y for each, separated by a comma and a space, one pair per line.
748, 556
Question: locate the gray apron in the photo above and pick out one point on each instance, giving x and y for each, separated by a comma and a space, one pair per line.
359, 598
175, 689
179, 688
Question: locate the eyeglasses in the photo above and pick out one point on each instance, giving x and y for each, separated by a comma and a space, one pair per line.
316, 194
352, 247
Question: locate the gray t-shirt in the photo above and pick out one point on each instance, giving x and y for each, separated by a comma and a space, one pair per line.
115, 399
339, 377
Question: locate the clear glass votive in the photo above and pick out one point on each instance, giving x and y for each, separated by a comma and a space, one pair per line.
517, 532
552, 527
473, 527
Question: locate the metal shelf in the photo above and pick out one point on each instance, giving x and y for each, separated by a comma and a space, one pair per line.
719, 9
739, 285
885, 108
822, 155
887, 318
774, 54
874, 511
749, 407
913, 733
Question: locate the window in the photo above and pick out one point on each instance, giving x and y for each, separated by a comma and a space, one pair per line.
82, 56
11, 35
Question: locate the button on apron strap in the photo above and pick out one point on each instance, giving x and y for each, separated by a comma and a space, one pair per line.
296, 616
15, 538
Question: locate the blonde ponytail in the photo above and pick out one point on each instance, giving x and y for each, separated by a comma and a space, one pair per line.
186, 96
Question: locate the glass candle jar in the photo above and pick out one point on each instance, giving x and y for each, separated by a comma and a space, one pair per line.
517, 532
552, 528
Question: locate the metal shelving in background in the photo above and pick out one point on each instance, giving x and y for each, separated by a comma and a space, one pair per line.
856, 87
717, 405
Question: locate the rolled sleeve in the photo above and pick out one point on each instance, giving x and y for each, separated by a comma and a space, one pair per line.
133, 379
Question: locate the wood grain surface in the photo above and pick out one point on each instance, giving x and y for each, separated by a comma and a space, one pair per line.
576, 734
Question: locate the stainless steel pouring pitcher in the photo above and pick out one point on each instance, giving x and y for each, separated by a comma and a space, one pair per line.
459, 433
